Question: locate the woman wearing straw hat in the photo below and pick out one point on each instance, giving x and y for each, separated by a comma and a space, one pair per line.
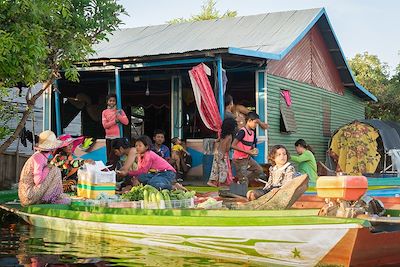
40, 182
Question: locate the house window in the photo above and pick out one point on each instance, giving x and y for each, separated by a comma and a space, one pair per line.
326, 117
287, 120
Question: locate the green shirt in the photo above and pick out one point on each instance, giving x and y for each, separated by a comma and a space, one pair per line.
307, 164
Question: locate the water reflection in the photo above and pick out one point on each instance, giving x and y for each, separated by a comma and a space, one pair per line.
24, 245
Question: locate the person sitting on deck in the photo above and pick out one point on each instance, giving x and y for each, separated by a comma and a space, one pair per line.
40, 182
305, 160
179, 155
127, 155
280, 173
63, 159
152, 169
158, 147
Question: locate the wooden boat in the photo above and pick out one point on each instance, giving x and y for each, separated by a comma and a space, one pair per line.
296, 237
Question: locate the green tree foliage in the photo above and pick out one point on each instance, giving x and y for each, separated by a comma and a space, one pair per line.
40, 38
374, 75
208, 11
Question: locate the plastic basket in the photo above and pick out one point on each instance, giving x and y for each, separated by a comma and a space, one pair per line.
172, 204
127, 204
182, 203
89, 202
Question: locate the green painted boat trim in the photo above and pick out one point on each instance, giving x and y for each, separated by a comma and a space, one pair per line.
96, 188
187, 217
202, 189
197, 213
393, 213
388, 181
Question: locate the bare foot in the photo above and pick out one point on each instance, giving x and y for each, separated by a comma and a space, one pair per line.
250, 195
178, 186
135, 182
212, 183
126, 189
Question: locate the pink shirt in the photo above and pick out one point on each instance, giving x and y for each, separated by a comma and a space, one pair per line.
40, 169
150, 160
108, 118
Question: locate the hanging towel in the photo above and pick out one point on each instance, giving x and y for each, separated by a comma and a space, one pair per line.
286, 95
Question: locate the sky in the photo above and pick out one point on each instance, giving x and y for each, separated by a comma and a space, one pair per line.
360, 25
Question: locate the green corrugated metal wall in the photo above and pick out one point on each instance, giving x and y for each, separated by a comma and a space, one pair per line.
307, 104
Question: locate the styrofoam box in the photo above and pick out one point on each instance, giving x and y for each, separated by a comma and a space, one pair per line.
96, 177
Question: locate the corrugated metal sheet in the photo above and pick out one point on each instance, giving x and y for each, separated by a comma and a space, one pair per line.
311, 62
35, 120
269, 33
307, 105
36, 123
266, 36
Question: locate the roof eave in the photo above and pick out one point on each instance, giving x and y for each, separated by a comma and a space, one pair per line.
358, 86
366, 92
252, 53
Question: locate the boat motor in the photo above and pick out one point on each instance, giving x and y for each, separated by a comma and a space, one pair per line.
344, 197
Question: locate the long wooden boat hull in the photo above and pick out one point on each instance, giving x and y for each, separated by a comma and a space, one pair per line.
292, 245
284, 239
276, 237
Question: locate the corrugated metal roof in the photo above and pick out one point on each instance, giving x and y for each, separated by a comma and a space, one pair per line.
269, 33
266, 36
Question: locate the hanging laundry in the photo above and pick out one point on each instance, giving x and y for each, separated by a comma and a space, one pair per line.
204, 96
286, 95
23, 137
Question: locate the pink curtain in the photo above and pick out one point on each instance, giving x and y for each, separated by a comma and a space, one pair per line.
204, 96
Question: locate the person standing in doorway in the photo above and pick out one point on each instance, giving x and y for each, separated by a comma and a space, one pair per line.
111, 117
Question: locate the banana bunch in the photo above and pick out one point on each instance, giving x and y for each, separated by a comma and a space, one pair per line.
152, 195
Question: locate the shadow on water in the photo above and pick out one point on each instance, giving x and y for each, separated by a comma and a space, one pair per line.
24, 245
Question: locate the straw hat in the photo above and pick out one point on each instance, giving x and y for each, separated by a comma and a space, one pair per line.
67, 139
47, 141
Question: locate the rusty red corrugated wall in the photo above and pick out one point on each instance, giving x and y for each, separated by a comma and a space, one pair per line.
310, 62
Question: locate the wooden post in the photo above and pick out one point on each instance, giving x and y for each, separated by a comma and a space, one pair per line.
17, 161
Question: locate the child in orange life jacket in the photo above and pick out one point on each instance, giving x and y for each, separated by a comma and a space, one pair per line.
244, 146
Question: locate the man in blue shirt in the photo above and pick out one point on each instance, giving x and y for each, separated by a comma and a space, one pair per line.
158, 146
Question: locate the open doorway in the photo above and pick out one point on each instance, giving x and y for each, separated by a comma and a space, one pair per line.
148, 104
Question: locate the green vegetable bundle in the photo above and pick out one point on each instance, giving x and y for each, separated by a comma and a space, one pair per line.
150, 195
135, 194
